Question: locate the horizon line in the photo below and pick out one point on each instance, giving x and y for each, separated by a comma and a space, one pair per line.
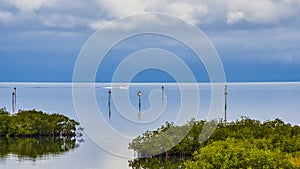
237, 82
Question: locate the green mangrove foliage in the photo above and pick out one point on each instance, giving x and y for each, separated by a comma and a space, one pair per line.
153, 143
33, 123
237, 153
245, 143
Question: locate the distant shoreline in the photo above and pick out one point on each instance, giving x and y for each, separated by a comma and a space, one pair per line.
147, 83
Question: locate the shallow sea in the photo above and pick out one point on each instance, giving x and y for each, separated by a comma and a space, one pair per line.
106, 139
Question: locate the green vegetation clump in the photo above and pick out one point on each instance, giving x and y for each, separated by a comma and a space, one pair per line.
235, 153
245, 143
33, 123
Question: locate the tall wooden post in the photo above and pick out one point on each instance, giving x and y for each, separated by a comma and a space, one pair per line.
140, 106
109, 109
225, 107
162, 95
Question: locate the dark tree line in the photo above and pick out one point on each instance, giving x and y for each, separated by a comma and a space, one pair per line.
245, 143
33, 123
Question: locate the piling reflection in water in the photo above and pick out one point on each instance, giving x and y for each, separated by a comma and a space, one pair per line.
33, 148
140, 106
109, 109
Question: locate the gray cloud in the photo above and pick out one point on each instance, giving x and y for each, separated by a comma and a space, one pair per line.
96, 13
243, 25
261, 11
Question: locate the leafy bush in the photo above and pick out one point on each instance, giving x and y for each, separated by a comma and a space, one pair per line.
244, 143
33, 123
234, 153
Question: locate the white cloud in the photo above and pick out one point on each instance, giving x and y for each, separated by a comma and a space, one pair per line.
233, 17
46, 13
128, 23
62, 21
190, 10
98, 24
117, 8
195, 11
31, 5
5, 16
257, 11
114, 25
260, 11
67, 13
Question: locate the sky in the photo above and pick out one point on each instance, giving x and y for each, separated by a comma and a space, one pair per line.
257, 40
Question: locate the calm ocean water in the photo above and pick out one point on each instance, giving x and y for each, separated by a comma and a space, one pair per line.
262, 101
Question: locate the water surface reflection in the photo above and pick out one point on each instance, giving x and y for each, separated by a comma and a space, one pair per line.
158, 162
36, 148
